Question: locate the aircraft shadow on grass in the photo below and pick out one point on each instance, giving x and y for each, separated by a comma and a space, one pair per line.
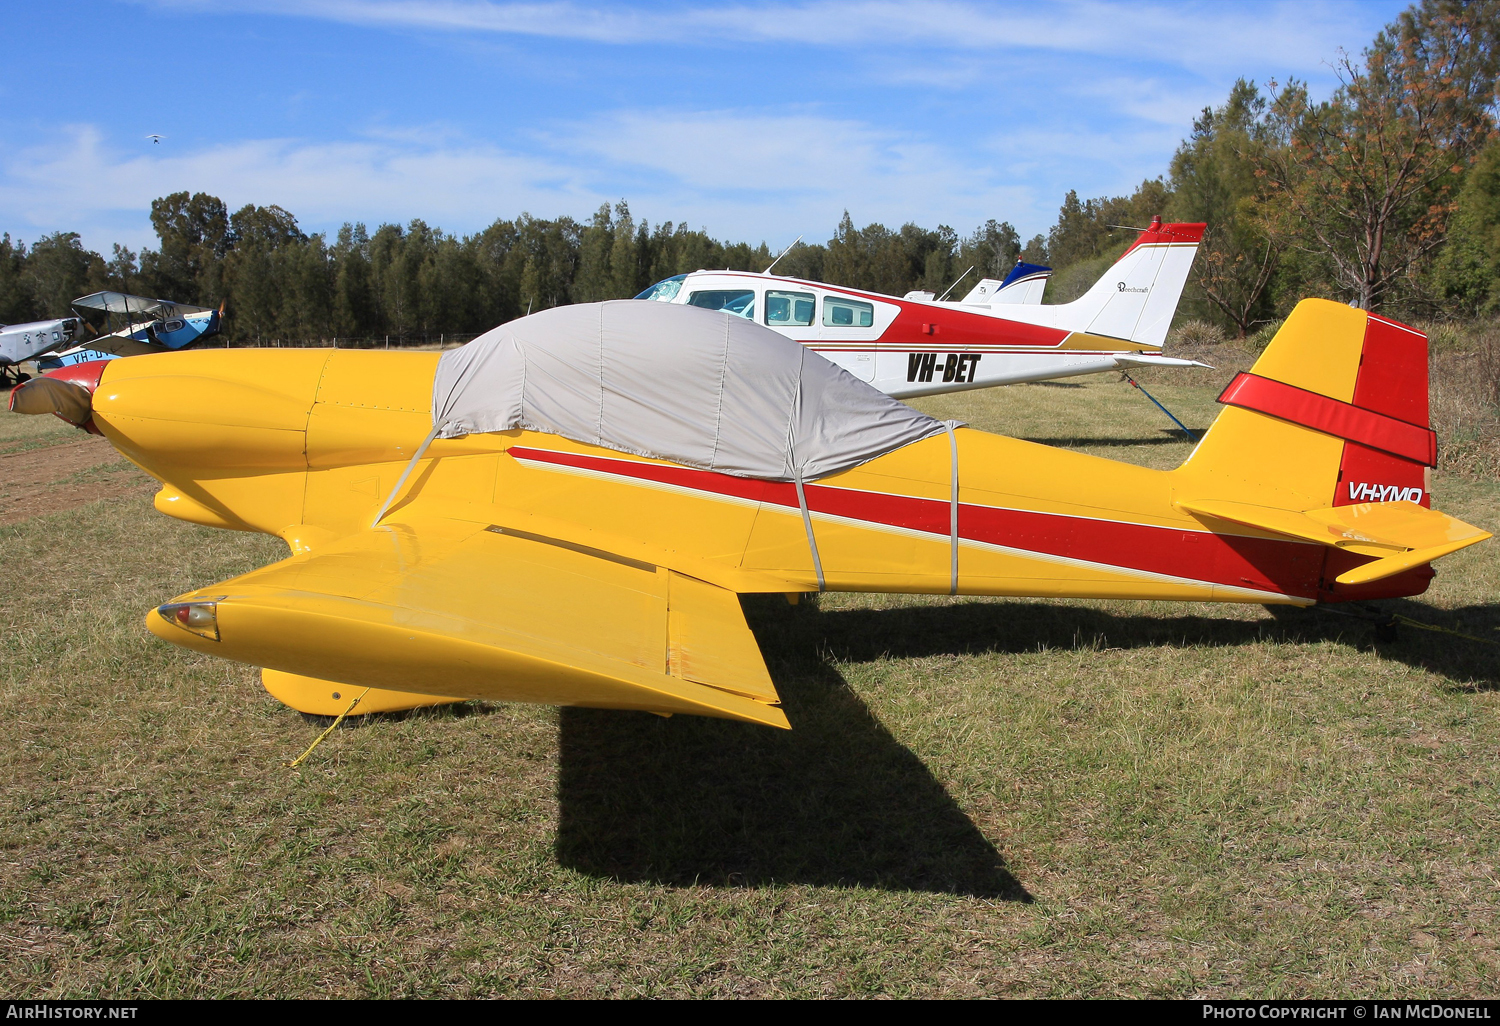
838, 801
1020, 626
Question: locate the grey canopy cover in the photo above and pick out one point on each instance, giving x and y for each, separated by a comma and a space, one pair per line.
681, 383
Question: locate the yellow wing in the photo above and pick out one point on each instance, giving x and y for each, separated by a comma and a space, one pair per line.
458, 610
120, 345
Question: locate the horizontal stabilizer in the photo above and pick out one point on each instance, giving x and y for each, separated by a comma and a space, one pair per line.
1154, 360
1391, 565
458, 610
1400, 535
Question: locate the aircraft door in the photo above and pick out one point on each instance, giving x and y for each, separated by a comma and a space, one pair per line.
861, 365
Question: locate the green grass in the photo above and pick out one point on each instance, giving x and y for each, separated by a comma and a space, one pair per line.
20, 434
1018, 798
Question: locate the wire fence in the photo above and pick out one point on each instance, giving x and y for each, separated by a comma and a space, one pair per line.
442, 340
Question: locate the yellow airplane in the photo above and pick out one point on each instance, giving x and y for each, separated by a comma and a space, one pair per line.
565, 510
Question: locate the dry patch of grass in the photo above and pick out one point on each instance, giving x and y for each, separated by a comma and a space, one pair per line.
1465, 374
73, 473
977, 798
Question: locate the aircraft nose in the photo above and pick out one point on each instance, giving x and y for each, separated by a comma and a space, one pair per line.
200, 421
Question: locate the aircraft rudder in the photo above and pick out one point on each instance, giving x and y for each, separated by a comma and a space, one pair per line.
1178, 244
1176, 233
1137, 297
1393, 385
1334, 412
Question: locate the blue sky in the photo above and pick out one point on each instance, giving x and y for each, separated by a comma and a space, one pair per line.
755, 121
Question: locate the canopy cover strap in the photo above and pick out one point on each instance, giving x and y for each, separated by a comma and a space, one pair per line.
411, 464
812, 541
953, 509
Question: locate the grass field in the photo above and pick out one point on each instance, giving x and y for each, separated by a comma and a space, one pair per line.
1016, 798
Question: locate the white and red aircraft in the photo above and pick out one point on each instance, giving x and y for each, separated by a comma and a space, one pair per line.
995, 335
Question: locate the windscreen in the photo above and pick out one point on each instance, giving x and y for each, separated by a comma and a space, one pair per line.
665, 290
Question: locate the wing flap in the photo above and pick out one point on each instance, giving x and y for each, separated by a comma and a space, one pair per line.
457, 610
709, 642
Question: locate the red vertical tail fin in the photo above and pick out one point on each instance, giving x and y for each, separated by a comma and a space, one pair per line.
1392, 382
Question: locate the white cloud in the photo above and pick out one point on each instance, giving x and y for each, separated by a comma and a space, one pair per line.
80, 183
1151, 100
742, 174
1077, 94
736, 151
773, 176
739, 175
1292, 36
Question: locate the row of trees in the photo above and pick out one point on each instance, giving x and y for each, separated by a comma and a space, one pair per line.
1384, 195
1387, 195
414, 280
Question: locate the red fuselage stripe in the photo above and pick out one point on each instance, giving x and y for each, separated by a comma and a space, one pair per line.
1342, 420
1263, 564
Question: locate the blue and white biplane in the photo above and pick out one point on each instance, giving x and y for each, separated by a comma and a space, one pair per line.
120, 324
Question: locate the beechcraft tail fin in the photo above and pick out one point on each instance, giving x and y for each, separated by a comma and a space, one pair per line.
1137, 297
1326, 439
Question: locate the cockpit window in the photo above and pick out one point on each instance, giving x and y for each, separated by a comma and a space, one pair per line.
740, 302
788, 309
847, 313
666, 290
